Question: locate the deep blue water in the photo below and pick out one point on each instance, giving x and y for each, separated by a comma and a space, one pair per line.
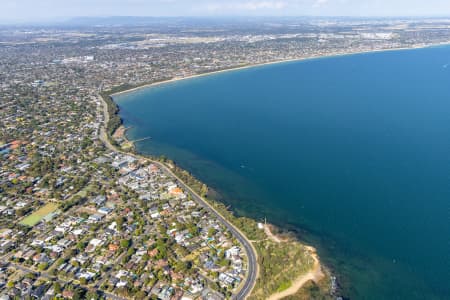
353, 152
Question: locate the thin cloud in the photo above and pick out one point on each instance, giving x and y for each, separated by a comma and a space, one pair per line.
247, 6
26, 10
319, 3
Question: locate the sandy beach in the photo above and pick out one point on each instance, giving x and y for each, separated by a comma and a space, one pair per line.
272, 63
315, 273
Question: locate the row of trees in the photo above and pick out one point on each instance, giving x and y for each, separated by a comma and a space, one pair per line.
113, 110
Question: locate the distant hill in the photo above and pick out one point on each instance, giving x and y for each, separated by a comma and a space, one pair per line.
117, 21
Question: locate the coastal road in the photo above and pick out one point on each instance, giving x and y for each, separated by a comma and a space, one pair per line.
252, 263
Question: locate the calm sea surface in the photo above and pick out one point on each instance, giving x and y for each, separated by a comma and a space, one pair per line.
352, 152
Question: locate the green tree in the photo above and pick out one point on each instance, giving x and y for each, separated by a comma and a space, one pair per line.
182, 266
120, 221
81, 246
125, 243
30, 275
130, 251
92, 295
140, 295
57, 287
43, 266
211, 232
204, 190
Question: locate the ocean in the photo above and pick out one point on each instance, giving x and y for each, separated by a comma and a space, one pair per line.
350, 152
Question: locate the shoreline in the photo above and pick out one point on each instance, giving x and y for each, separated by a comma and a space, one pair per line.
316, 273
246, 287
275, 62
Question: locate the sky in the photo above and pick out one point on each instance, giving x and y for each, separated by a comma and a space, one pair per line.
39, 10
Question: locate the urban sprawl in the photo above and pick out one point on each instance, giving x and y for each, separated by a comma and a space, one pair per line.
80, 218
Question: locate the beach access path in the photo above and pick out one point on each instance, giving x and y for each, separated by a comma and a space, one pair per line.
315, 274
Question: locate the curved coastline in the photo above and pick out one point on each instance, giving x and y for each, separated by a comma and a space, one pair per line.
317, 273
275, 62
271, 63
246, 288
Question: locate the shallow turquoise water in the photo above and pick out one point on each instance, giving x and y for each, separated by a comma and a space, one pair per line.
353, 152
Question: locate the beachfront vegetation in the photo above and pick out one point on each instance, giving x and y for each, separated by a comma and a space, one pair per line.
52, 151
113, 109
312, 290
279, 263
114, 120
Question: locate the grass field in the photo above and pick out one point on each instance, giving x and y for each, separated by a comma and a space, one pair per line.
38, 215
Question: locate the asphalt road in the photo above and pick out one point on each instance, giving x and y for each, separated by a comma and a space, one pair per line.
250, 279
252, 264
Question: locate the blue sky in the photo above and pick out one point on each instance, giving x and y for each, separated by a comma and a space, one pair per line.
24, 10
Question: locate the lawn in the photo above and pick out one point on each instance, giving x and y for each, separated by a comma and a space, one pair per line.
38, 215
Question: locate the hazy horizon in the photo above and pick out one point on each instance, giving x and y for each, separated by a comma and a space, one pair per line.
78, 20
29, 11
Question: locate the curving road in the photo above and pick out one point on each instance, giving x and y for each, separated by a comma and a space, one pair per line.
252, 264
